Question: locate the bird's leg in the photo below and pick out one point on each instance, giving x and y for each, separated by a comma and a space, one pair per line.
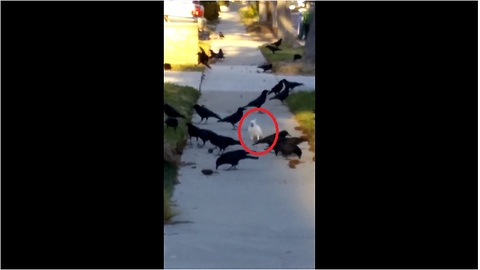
230, 168
206, 121
234, 126
234, 167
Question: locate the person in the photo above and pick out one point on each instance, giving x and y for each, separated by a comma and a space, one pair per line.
299, 27
306, 20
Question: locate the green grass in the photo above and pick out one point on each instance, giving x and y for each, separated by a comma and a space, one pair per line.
179, 67
301, 104
182, 98
169, 178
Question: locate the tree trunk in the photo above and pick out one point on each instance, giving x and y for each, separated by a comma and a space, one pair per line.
263, 11
273, 6
284, 24
309, 50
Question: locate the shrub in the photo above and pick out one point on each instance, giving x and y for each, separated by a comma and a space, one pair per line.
224, 3
212, 9
249, 12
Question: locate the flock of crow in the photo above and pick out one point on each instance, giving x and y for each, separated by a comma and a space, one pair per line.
281, 90
285, 146
273, 48
204, 59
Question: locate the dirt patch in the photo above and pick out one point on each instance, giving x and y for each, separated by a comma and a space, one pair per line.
260, 28
172, 153
293, 68
260, 31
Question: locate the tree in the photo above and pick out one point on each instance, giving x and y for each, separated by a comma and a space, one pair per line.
284, 23
309, 50
263, 11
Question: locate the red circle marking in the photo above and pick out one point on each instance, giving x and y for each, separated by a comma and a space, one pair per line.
239, 129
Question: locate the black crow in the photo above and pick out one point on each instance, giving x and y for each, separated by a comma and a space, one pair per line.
220, 34
172, 122
277, 43
297, 57
273, 48
203, 112
278, 87
203, 58
293, 140
233, 118
171, 112
266, 67
270, 138
208, 172
282, 95
213, 54
287, 149
289, 145
167, 66
223, 142
220, 54
291, 85
206, 135
233, 158
193, 131
258, 102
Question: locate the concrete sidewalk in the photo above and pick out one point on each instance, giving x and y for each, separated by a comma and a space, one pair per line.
229, 78
261, 215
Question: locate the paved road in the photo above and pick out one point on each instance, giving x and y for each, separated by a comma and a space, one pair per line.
259, 216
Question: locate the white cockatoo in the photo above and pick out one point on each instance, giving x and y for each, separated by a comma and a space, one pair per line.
255, 131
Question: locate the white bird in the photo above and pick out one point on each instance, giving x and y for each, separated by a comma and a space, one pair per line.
255, 131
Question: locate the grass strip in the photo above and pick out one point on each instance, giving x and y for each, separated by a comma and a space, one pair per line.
301, 104
182, 98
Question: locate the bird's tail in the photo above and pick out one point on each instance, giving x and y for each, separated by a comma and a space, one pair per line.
251, 157
218, 117
221, 120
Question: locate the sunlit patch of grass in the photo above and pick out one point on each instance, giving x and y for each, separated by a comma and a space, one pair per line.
301, 104
205, 45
